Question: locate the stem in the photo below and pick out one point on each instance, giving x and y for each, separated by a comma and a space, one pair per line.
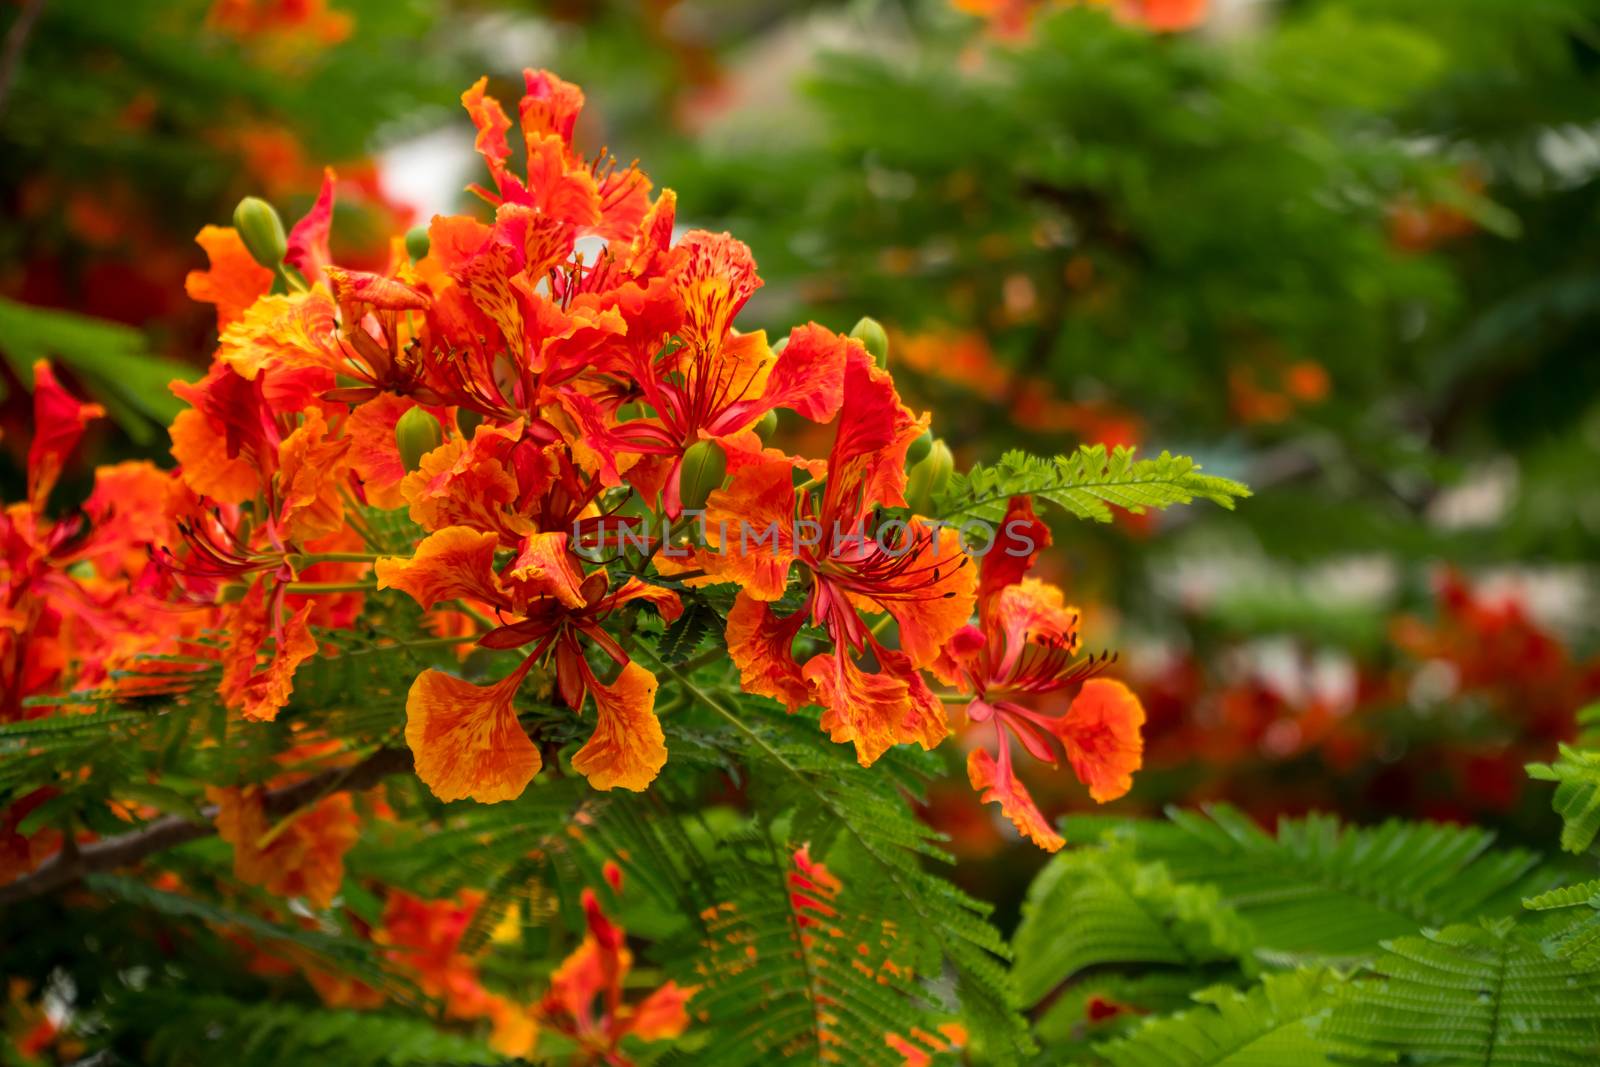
169, 832
309, 558
330, 587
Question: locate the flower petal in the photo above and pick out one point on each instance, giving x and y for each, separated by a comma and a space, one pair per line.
233, 282
545, 567
934, 595
58, 422
1017, 544
762, 646
627, 747
466, 738
1101, 734
453, 562
875, 711
867, 463
1006, 789
751, 528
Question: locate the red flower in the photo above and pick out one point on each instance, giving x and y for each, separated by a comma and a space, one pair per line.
1026, 646
761, 527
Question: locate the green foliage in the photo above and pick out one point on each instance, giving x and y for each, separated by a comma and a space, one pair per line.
829, 799
1098, 907
795, 969
1472, 994
175, 1030
1579, 941
114, 362
1268, 1026
1083, 484
1577, 777
1318, 890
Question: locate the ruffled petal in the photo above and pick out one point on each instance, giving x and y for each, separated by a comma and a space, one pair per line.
58, 422
808, 377
291, 339
462, 483
867, 463
311, 472
663, 1014
1007, 790
627, 747
1019, 539
453, 562
1100, 732
206, 466
751, 529
717, 277
308, 240
1037, 612
300, 857
875, 711
545, 567
466, 738
933, 596
259, 692
233, 282
374, 454
762, 646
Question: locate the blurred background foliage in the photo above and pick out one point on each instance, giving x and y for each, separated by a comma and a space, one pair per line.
1344, 250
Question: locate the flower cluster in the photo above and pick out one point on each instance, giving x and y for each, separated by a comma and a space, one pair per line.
485, 426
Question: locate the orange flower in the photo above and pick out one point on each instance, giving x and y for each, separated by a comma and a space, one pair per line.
300, 855
585, 1002
466, 737
764, 527
234, 281
1025, 646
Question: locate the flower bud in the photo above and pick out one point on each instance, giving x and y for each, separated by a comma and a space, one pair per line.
928, 478
870, 333
704, 467
417, 433
417, 242
767, 425
261, 230
919, 447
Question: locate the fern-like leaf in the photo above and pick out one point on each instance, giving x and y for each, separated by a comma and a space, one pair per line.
1579, 940
1097, 907
793, 967
1270, 1025
1577, 776
1322, 891
1084, 484
1482, 995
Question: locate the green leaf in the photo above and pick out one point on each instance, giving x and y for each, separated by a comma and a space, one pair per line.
1093, 907
1271, 1025
1577, 797
1084, 484
1318, 890
1481, 995
113, 360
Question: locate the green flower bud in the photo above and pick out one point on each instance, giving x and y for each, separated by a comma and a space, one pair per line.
870, 333
919, 447
928, 478
704, 467
417, 242
767, 425
417, 433
261, 230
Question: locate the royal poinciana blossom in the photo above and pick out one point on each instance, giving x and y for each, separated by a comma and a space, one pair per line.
524, 407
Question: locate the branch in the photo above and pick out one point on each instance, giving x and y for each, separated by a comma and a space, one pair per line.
72, 864
16, 41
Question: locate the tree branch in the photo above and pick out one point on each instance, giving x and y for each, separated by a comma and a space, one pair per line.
72, 864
